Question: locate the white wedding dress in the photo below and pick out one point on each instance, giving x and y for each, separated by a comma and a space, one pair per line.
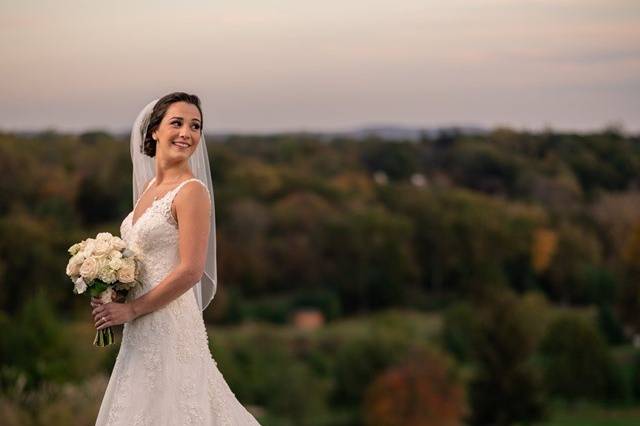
164, 373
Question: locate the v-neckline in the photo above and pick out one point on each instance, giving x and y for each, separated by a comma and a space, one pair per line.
146, 210
133, 224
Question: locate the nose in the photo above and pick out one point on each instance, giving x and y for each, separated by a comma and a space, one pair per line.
184, 132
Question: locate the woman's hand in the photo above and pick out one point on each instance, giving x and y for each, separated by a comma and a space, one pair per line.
110, 314
116, 297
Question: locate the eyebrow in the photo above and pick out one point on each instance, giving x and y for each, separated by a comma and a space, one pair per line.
177, 116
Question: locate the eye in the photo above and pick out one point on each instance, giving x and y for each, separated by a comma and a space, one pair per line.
176, 122
196, 126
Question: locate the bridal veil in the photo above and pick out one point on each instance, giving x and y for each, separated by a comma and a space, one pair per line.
144, 170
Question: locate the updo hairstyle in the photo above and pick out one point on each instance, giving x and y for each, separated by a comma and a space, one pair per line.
157, 114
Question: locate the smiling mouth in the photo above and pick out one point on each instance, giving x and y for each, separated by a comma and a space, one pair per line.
181, 144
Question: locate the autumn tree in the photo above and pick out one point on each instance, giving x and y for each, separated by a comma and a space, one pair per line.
421, 391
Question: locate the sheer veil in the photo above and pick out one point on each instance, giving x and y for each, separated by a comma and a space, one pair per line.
144, 170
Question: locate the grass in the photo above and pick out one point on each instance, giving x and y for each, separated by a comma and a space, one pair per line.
593, 415
414, 323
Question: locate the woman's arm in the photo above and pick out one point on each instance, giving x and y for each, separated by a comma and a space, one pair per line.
192, 212
193, 209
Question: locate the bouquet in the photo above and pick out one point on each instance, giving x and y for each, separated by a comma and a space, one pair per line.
107, 268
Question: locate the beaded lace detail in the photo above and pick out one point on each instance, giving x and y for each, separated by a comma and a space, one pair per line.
164, 373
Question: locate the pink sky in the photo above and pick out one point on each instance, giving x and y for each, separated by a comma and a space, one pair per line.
268, 65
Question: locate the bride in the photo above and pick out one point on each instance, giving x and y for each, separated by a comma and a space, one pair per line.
164, 373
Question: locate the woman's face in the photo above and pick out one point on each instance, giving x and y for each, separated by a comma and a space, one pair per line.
179, 131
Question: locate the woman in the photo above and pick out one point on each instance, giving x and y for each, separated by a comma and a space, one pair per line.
164, 373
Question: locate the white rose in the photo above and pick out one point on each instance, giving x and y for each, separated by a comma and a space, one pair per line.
106, 236
74, 249
89, 269
87, 250
115, 263
80, 286
102, 247
107, 295
73, 267
104, 261
118, 244
107, 275
115, 254
126, 273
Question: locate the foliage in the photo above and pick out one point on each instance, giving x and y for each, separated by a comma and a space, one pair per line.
302, 212
302, 222
457, 331
572, 274
272, 377
368, 259
577, 361
506, 388
54, 404
358, 362
35, 348
421, 390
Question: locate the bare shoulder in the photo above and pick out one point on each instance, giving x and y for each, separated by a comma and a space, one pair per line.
194, 193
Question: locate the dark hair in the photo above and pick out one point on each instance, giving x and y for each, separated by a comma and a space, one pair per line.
159, 110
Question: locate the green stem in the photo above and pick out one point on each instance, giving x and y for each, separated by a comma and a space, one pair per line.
104, 337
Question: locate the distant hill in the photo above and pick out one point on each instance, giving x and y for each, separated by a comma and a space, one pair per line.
385, 132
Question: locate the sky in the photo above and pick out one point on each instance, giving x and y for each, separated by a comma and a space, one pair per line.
296, 65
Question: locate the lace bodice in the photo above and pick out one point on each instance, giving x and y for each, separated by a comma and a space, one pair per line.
154, 237
164, 373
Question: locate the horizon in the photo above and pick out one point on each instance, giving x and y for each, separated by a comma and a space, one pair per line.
389, 132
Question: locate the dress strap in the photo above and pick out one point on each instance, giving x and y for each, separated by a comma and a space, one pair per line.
150, 182
187, 181
177, 188
168, 199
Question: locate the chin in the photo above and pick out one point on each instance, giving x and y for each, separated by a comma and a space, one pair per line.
181, 156
180, 152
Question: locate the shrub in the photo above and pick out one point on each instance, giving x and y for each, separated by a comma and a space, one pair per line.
360, 361
273, 378
577, 363
507, 388
420, 391
457, 331
35, 347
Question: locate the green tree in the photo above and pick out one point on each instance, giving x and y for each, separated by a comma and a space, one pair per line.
457, 330
397, 159
368, 258
577, 363
359, 361
506, 388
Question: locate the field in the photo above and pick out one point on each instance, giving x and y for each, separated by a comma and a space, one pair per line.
590, 415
